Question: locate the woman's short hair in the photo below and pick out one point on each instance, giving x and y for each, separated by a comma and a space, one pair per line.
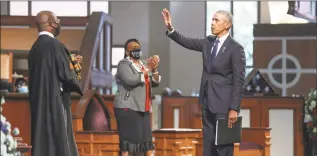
127, 43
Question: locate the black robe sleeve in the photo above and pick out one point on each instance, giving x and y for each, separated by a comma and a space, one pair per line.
65, 74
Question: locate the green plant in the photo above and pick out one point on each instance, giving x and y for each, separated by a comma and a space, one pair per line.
311, 113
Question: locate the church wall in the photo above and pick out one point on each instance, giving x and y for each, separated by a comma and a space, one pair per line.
180, 68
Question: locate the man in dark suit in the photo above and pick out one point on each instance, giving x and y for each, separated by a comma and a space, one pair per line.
222, 79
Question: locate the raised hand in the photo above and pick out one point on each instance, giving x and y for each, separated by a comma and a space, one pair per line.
167, 19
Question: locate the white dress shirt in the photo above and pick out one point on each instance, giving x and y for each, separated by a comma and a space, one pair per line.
46, 33
221, 41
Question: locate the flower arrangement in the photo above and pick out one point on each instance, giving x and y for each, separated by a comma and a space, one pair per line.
8, 143
311, 114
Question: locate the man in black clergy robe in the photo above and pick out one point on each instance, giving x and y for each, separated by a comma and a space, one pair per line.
222, 80
51, 80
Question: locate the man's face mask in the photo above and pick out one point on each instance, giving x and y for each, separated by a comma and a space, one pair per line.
57, 29
136, 53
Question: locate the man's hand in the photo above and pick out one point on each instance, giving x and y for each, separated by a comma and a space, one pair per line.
233, 116
78, 58
167, 19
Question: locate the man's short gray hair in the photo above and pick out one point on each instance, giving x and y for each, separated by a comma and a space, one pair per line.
227, 14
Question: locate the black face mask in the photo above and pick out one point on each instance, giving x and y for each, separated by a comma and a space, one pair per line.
136, 53
57, 29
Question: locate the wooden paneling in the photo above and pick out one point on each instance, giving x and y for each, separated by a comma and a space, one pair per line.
17, 111
175, 142
190, 111
261, 30
185, 111
301, 49
259, 113
97, 143
294, 43
296, 105
6, 66
23, 39
265, 50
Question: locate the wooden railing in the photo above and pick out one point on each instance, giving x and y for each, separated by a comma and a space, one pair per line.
96, 52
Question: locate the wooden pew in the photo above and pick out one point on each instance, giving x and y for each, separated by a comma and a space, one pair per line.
259, 112
176, 142
23, 147
187, 107
256, 141
105, 143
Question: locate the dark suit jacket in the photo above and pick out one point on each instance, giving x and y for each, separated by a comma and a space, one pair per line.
222, 79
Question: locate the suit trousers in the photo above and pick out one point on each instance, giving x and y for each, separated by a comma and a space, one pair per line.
209, 132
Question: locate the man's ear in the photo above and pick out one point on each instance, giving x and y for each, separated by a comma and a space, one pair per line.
228, 25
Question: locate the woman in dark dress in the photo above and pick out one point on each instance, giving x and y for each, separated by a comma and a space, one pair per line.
132, 104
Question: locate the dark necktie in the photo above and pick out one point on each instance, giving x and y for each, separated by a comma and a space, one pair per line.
214, 50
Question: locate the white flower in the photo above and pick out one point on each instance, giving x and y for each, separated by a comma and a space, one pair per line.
311, 107
3, 150
3, 119
2, 100
3, 138
307, 118
313, 103
16, 131
315, 93
315, 130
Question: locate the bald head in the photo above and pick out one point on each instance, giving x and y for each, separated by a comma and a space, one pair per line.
42, 20
47, 21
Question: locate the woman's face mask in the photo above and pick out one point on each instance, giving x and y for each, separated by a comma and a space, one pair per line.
134, 50
136, 53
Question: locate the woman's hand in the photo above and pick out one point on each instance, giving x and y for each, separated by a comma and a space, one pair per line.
153, 62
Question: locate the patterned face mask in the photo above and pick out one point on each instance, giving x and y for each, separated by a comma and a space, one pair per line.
136, 53
134, 50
